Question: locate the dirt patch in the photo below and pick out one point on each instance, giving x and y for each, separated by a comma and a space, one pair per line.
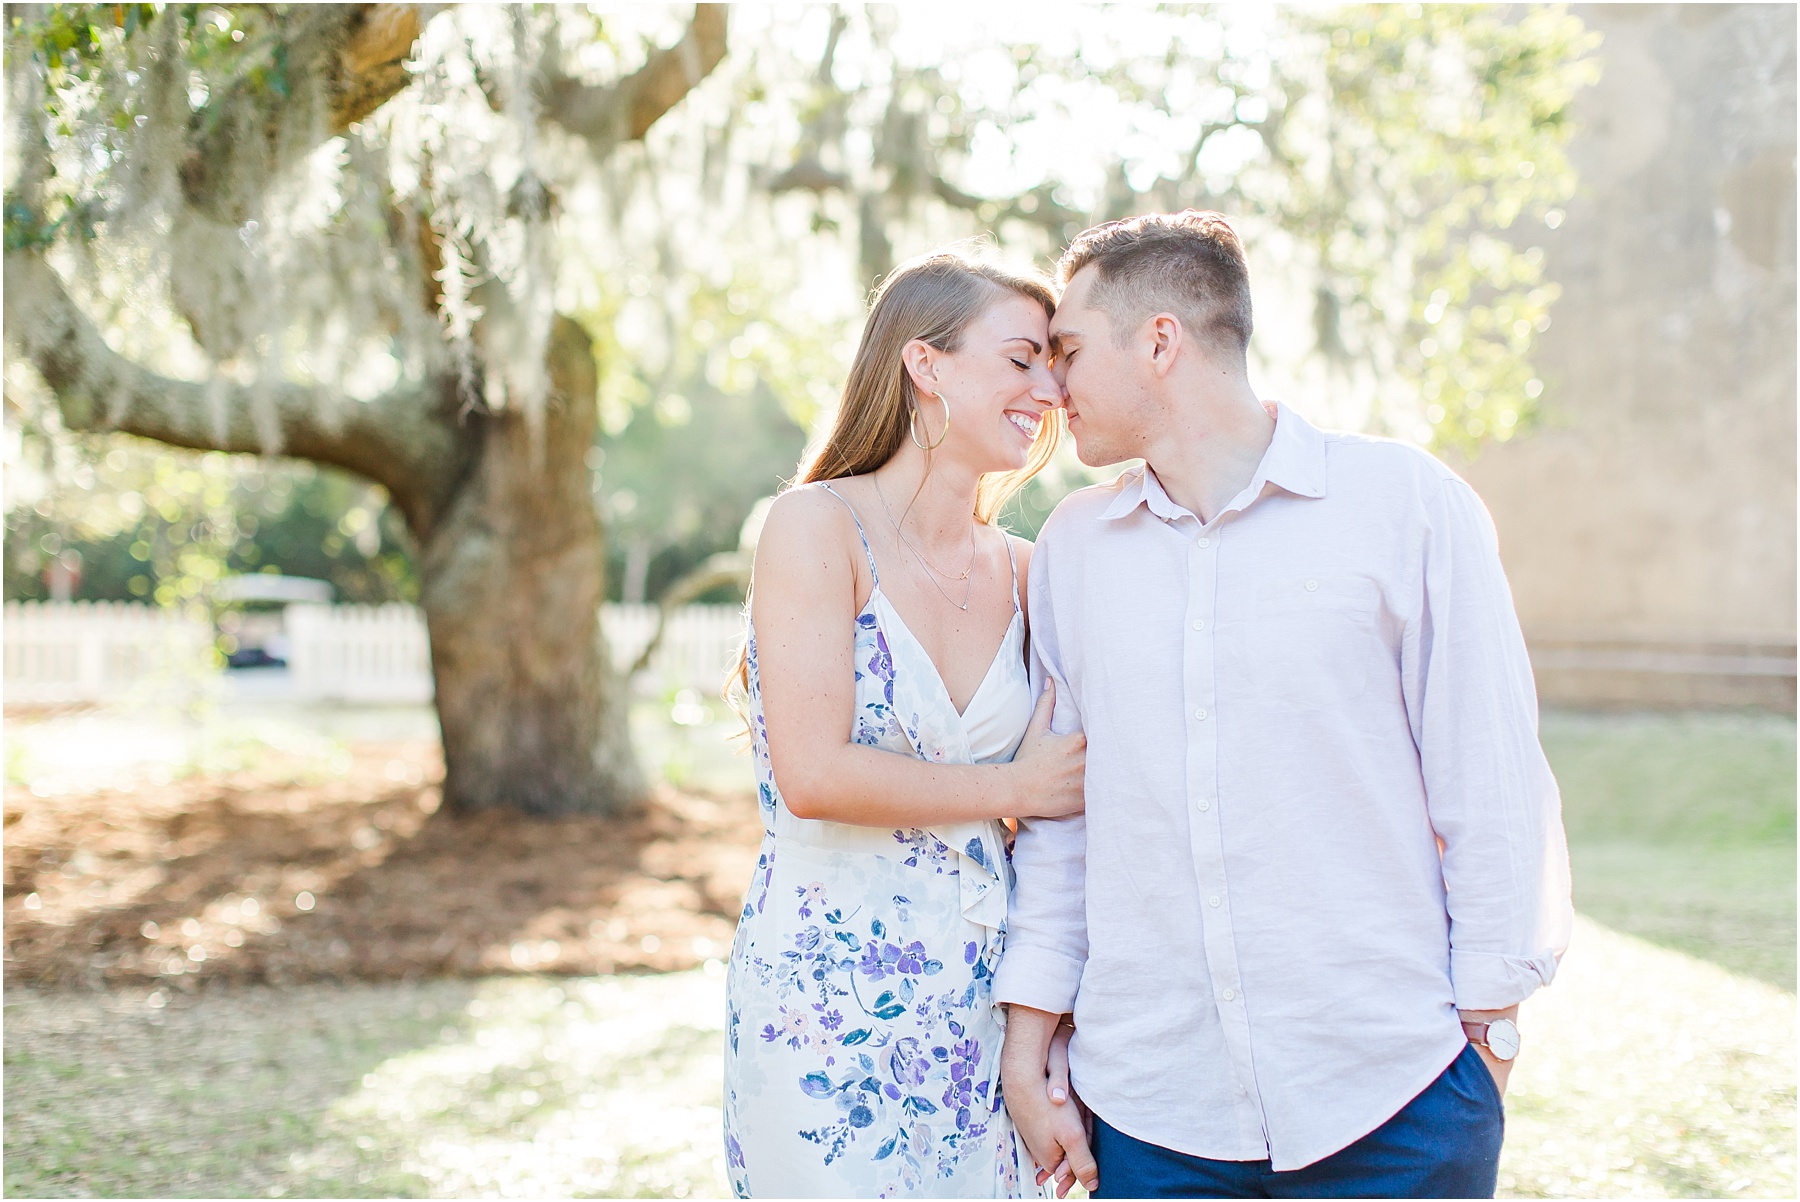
291, 872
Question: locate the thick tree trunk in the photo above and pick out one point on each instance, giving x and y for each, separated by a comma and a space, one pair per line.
512, 561
512, 577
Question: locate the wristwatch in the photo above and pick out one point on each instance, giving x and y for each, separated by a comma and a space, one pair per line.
1501, 1037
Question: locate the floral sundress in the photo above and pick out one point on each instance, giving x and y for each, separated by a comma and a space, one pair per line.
862, 1053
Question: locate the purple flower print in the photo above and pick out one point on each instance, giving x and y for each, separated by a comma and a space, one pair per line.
912, 959
881, 664
960, 1095
923, 847
874, 964
907, 1064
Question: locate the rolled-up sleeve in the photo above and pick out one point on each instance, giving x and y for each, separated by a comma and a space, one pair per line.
1489, 790
1046, 924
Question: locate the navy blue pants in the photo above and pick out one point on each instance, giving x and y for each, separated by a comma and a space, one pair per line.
1445, 1143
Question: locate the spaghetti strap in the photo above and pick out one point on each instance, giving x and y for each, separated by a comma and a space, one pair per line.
873, 570
1013, 559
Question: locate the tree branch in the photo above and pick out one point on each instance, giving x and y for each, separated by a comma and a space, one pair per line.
354, 54
406, 440
1037, 206
374, 60
624, 111
810, 175
726, 567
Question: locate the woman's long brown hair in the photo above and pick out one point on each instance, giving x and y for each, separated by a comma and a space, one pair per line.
933, 299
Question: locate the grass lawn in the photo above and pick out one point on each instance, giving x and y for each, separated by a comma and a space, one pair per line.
510, 1087
1660, 1064
1681, 831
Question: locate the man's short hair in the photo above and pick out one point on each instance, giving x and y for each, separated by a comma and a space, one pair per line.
1189, 263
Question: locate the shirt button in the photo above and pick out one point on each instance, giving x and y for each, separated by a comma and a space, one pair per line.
1199, 623
1200, 715
1203, 805
1203, 541
1229, 995
1214, 903
1312, 586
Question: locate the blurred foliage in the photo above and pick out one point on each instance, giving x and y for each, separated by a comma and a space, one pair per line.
680, 478
1391, 162
693, 438
1446, 126
138, 521
1399, 157
90, 104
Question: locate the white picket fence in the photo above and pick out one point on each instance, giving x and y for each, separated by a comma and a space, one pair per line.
86, 651
377, 654
370, 653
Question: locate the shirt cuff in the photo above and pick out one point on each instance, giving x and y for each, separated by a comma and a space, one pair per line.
1494, 981
1038, 977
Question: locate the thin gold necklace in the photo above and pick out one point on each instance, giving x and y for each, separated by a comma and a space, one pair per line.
932, 572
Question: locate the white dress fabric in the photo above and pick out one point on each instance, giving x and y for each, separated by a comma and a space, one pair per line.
862, 1052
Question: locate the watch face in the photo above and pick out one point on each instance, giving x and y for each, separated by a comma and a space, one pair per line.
1503, 1039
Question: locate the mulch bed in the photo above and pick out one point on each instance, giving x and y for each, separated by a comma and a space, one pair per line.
210, 879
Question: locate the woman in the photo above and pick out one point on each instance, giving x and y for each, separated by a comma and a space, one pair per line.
862, 1051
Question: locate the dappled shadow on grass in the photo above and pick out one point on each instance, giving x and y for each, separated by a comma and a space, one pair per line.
1647, 1073
525, 1086
135, 1093
603, 1087
288, 872
1731, 905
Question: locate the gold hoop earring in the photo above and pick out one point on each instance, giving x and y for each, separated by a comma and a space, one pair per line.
912, 427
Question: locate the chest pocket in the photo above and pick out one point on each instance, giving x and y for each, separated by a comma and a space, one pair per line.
1311, 641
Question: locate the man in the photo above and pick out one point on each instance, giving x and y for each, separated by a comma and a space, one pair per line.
1322, 860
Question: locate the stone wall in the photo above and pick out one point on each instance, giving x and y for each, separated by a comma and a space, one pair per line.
1648, 522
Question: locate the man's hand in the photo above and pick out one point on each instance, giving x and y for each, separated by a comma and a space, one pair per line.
1501, 1069
1053, 1131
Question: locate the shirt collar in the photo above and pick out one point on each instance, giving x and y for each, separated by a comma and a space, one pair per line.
1294, 462
1139, 486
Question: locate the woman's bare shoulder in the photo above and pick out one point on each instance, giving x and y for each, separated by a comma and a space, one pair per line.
807, 529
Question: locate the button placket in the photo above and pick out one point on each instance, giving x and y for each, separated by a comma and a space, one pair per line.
1207, 841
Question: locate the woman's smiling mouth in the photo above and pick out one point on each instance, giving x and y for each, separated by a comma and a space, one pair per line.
1027, 424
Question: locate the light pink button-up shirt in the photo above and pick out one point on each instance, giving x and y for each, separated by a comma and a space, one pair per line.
1287, 708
